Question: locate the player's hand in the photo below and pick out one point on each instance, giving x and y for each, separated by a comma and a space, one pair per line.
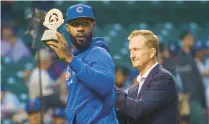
61, 48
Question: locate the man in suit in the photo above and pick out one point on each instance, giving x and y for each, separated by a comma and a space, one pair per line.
153, 100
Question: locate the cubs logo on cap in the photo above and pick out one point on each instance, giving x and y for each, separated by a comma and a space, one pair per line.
33, 106
79, 11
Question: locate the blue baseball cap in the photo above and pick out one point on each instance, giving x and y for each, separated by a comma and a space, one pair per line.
79, 11
59, 112
173, 49
33, 106
200, 45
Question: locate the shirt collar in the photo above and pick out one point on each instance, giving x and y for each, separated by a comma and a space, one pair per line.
146, 73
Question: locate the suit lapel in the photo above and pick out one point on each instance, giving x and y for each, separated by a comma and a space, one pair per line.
149, 78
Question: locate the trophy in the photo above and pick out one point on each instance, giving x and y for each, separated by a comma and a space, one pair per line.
53, 20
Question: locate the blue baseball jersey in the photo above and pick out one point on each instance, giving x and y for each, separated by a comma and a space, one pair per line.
90, 83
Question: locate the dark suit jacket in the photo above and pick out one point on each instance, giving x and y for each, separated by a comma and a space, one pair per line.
156, 102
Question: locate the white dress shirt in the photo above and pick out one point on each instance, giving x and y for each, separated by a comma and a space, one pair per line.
33, 84
140, 79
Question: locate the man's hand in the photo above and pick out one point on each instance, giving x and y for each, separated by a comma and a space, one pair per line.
61, 48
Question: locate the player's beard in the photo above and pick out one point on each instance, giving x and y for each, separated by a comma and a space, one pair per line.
83, 44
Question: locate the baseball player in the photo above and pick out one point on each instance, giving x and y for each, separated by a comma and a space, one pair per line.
33, 109
90, 71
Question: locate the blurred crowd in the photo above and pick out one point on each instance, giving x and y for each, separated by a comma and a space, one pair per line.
187, 60
48, 69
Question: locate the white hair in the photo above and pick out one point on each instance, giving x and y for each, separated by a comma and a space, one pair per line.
44, 54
